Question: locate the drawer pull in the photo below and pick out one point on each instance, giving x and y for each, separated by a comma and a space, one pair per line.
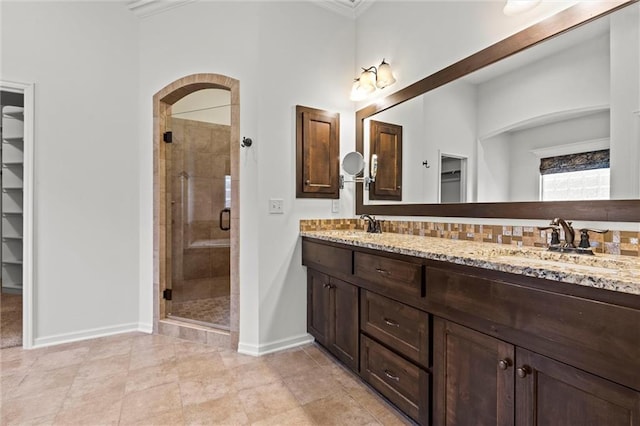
391, 323
383, 271
391, 375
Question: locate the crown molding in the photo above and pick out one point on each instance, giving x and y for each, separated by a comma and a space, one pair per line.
349, 8
144, 8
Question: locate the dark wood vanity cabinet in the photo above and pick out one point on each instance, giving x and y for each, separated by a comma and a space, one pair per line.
458, 345
483, 380
332, 316
552, 393
473, 381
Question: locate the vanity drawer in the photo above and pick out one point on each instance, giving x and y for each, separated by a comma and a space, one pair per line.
392, 277
402, 327
402, 382
324, 256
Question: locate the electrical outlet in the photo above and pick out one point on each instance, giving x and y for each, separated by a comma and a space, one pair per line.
335, 206
276, 206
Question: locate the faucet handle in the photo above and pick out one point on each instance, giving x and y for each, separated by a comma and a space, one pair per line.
584, 236
597, 231
555, 234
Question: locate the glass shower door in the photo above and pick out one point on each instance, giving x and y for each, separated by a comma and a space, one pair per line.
199, 187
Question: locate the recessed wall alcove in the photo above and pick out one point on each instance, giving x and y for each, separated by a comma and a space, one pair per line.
162, 211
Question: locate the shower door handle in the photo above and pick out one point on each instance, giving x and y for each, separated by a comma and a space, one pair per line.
228, 212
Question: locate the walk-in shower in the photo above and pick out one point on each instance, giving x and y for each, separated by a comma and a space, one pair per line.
198, 192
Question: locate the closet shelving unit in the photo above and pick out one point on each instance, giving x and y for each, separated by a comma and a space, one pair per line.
12, 159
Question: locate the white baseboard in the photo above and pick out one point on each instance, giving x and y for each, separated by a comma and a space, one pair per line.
278, 345
58, 339
145, 327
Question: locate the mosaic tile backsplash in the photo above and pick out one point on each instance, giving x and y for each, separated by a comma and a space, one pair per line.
613, 242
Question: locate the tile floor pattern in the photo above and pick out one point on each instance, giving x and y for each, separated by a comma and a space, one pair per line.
213, 310
141, 379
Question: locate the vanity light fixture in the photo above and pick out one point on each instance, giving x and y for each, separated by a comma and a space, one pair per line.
370, 79
515, 7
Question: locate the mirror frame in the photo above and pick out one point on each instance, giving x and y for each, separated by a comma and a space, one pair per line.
600, 210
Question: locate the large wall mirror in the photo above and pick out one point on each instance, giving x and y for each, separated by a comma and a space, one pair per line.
544, 123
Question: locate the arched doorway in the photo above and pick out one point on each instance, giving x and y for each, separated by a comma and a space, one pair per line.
187, 226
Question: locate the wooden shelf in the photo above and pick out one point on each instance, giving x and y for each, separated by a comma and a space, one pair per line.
12, 188
13, 140
13, 112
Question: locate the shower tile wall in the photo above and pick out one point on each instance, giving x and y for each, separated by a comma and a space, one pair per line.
200, 160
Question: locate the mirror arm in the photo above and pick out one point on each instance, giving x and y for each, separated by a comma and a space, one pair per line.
366, 180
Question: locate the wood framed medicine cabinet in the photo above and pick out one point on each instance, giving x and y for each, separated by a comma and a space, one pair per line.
601, 210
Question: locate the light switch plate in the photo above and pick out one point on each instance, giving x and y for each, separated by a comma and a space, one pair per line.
276, 206
335, 206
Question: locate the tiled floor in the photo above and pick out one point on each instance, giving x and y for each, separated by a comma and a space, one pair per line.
10, 320
139, 379
212, 310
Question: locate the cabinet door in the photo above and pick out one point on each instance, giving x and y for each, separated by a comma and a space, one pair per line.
318, 153
473, 377
318, 301
344, 329
551, 393
386, 143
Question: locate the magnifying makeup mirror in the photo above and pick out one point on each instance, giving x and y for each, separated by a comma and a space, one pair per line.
353, 164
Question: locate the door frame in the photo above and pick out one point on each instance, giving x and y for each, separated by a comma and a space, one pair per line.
162, 102
28, 190
463, 174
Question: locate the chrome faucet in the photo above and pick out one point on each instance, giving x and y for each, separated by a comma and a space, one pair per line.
373, 225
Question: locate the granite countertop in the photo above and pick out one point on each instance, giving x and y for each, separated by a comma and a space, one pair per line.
616, 273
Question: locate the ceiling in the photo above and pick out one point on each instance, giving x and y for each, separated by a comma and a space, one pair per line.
349, 8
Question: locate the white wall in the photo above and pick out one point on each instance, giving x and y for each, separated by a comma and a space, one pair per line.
284, 54
421, 37
574, 79
493, 180
83, 60
450, 127
625, 100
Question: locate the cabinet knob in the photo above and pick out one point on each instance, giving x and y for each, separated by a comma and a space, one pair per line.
523, 371
392, 376
503, 364
307, 182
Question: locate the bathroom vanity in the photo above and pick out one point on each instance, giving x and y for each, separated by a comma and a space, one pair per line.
457, 332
